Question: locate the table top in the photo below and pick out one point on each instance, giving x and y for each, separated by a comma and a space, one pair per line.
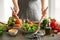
20, 36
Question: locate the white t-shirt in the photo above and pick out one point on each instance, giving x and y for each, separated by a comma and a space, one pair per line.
5, 10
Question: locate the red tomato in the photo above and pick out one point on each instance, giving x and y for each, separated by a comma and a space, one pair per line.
58, 29
18, 21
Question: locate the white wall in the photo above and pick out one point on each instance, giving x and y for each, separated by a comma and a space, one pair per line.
54, 9
7, 6
1, 10
57, 10
51, 4
5, 10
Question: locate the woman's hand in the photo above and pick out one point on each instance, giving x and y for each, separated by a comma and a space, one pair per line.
16, 7
15, 11
44, 12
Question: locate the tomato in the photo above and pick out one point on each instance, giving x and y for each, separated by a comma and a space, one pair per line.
18, 21
59, 29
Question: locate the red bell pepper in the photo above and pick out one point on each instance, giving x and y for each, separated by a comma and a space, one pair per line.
53, 23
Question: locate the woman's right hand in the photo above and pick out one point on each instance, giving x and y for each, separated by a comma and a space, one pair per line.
15, 12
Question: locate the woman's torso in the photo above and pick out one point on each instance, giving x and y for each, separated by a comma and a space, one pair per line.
30, 9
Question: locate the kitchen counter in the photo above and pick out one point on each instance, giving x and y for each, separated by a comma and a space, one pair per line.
20, 36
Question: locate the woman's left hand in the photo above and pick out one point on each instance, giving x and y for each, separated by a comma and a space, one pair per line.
44, 12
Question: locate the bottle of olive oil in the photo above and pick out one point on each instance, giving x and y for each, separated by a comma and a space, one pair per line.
47, 29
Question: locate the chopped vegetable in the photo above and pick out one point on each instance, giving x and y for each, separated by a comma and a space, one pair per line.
29, 27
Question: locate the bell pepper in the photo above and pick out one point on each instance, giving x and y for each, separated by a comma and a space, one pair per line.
53, 23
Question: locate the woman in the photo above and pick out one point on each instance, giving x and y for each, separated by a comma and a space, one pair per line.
32, 9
